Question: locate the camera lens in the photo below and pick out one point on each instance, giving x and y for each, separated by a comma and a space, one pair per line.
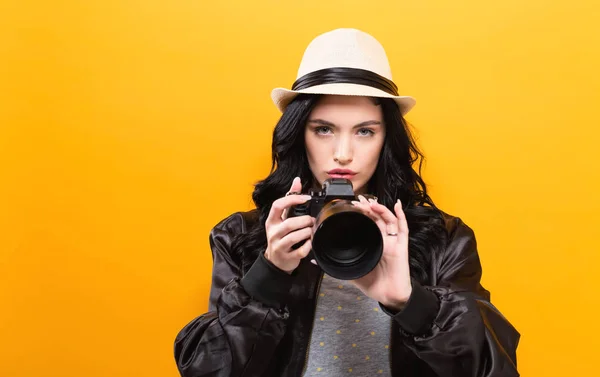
347, 244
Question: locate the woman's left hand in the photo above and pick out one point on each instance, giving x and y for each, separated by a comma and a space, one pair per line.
389, 282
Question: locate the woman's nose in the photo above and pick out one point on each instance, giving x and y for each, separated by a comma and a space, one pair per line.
343, 152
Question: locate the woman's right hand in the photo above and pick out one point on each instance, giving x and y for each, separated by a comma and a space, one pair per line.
283, 232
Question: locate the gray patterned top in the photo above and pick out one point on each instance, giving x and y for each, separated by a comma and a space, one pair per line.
351, 334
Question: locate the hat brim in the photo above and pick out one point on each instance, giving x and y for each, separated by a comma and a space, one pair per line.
282, 97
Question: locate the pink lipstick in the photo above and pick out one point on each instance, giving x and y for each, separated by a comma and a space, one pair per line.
341, 173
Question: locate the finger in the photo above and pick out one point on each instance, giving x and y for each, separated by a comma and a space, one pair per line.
302, 251
296, 187
402, 223
281, 204
391, 222
363, 200
293, 238
363, 204
364, 208
293, 224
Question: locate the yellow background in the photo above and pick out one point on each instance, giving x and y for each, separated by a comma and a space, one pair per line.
129, 128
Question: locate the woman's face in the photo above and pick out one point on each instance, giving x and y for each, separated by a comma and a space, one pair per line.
344, 136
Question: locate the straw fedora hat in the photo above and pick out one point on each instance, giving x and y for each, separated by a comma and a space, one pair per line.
344, 62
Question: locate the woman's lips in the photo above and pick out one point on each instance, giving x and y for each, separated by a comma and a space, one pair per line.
337, 175
341, 173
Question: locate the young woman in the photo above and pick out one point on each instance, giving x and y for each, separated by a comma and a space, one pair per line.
420, 312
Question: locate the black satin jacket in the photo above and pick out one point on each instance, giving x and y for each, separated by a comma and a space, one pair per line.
448, 328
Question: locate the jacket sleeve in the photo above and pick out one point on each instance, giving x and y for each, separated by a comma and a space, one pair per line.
452, 326
241, 317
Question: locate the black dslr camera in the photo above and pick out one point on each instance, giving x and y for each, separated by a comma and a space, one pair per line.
346, 243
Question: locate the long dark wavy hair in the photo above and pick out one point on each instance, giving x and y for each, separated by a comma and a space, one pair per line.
394, 178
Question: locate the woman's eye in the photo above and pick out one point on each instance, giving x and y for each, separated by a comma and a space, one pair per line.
323, 130
365, 132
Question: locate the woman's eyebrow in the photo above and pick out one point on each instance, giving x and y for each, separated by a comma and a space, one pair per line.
321, 122
329, 124
367, 123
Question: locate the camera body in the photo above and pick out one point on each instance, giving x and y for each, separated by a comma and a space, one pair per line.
346, 243
333, 189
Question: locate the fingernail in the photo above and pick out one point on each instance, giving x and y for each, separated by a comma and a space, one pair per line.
313, 262
355, 202
306, 197
372, 201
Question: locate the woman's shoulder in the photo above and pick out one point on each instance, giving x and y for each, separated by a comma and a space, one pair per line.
237, 222
455, 224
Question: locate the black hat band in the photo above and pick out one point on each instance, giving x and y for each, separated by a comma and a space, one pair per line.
348, 76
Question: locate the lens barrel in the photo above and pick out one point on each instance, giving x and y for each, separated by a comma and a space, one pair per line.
347, 244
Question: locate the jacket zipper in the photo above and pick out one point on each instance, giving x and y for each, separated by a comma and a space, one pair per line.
311, 327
